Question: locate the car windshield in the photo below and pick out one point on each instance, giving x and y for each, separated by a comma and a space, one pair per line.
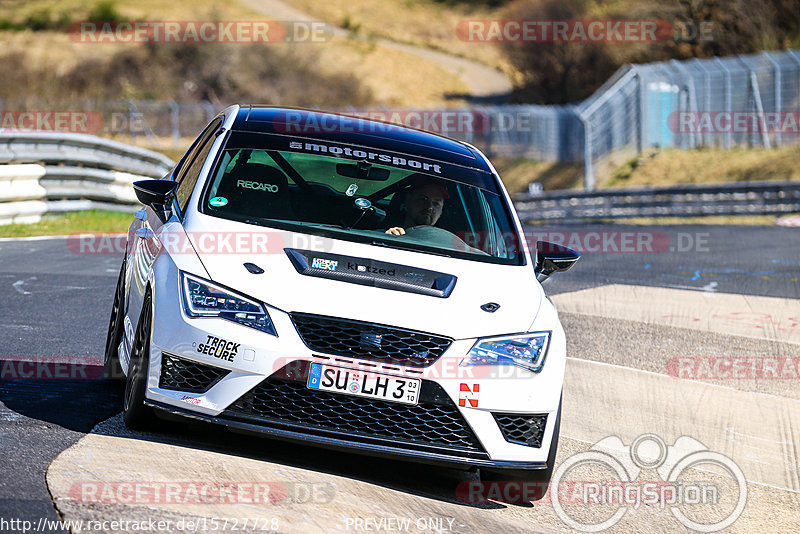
358, 200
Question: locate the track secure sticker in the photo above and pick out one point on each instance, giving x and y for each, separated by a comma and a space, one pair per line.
219, 348
218, 202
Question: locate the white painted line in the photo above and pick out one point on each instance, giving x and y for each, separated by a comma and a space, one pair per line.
51, 237
19, 283
603, 399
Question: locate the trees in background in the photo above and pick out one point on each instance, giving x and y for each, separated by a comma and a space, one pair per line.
562, 72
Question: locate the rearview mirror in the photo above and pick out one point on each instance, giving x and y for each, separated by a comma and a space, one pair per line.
158, 194
362, 171
552, 258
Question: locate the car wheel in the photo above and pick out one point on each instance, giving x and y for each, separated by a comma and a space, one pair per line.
538, 479
137, 416
111, 366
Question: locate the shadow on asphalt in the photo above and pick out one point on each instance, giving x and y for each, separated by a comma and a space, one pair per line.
432, 482
73, 404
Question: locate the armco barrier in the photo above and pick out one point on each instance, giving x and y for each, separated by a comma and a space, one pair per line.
748, 198
56, 172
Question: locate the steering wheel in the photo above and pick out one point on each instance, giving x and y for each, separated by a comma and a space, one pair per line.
441, 237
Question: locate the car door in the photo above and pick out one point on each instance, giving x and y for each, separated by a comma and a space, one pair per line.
145, 245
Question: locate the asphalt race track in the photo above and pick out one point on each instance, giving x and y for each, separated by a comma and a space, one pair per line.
668, 337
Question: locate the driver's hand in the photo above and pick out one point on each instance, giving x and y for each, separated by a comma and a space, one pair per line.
396, 231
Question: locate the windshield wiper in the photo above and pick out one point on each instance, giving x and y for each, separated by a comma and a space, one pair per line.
406, 247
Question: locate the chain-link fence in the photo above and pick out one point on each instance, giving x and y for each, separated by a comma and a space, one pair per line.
740, 101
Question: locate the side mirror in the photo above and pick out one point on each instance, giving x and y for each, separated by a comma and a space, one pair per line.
552, 258
158, 194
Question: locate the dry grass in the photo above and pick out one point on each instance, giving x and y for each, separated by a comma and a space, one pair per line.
517, 173
420, 22
669, 167
382, 71
707, 166
385, 72
138, 9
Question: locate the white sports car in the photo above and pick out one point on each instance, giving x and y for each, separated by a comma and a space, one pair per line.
344, 283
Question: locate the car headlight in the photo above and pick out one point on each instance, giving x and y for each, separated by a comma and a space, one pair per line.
202, 298
523, 350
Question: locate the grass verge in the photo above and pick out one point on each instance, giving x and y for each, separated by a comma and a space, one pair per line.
71, 223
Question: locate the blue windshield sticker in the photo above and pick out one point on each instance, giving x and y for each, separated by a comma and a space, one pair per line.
218, 202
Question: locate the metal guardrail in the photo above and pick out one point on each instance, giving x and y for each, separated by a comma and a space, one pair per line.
748, 198
56, 172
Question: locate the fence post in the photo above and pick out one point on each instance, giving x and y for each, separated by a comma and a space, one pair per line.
639, 113
759, 109
729, 133
778, 104
175, 119
210, 111
706, 96
588, 168
691, 97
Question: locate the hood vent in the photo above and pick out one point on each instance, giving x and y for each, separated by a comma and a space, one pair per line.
367, 272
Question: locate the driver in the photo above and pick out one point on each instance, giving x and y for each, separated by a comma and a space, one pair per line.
424, 202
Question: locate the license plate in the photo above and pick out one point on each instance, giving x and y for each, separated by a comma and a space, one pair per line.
363, 383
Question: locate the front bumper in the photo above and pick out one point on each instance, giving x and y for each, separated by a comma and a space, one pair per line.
252, 359
342, 443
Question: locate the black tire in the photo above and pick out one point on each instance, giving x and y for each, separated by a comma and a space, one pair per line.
539, 478
112, 370
137, 416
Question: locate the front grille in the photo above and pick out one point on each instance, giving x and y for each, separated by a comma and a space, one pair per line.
186, 375
525, 429
356, 339
434, 423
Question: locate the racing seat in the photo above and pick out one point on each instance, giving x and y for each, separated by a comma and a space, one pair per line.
257, 190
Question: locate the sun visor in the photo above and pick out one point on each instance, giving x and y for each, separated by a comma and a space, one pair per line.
367, 272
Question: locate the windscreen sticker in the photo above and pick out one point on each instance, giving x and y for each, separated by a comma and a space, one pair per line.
218, 202
257, 186
369, 155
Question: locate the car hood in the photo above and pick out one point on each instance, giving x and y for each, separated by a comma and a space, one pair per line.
225, 246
